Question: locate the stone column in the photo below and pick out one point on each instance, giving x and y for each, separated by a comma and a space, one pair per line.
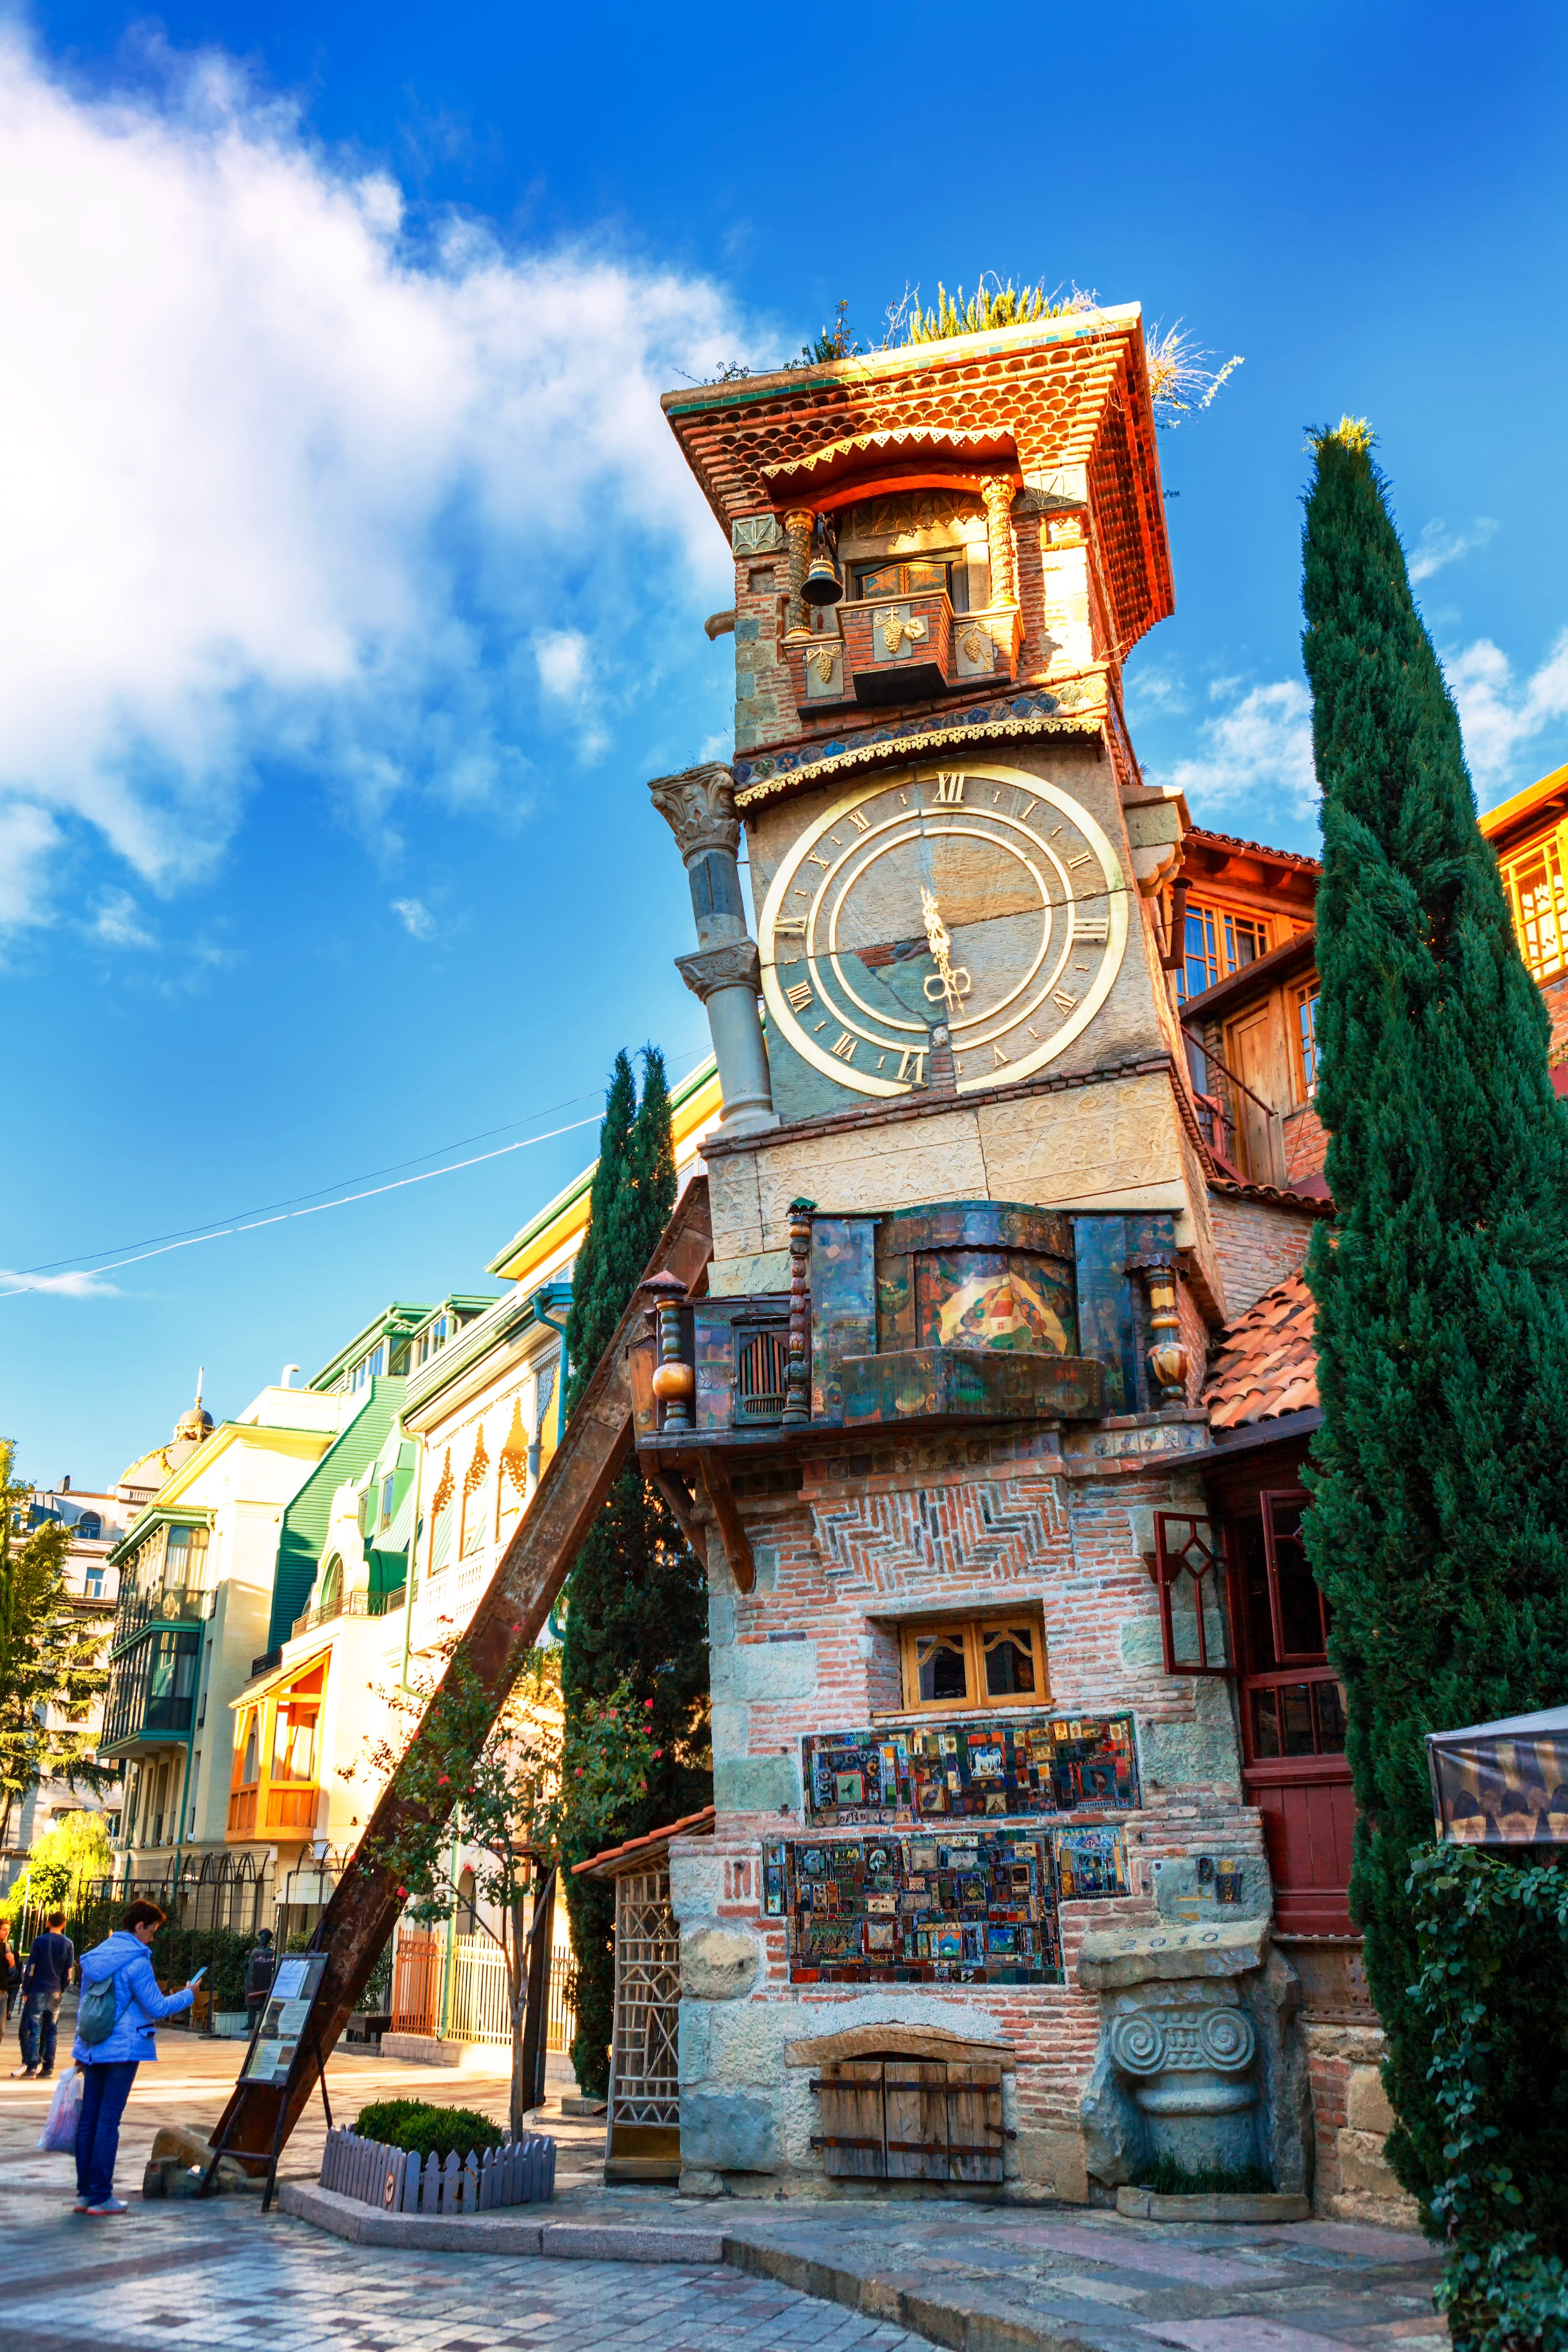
698, 807
996, 490
798, 527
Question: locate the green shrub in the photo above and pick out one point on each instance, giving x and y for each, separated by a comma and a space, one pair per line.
425, 2130
1168, 2178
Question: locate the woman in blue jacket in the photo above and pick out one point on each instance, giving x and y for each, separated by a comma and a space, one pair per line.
109, 2066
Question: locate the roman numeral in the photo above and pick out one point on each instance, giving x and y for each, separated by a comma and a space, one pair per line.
791, 923
998, 1054
950, 789
1063, 998
914, 1066
1095, 932
799, 995
1029, 806
1084, 857
861, 823
843, 1046
814, 858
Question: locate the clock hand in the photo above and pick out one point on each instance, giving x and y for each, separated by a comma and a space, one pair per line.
951, 986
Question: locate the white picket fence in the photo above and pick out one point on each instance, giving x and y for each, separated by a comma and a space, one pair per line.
519, 2173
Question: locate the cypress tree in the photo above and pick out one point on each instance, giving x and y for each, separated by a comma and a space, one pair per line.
637, 1601
1439, 1524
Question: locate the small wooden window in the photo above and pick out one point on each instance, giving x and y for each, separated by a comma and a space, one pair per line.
1304, 1036
1194, 1599
919, 575
1299, 1614
975, 1662
761, 1371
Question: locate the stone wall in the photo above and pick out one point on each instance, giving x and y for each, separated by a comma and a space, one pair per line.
1352, 2118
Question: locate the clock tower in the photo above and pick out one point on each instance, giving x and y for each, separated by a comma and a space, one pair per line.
932, 1414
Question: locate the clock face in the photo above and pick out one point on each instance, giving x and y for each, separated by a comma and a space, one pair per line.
979, 899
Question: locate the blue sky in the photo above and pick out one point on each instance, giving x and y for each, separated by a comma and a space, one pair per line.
354, 589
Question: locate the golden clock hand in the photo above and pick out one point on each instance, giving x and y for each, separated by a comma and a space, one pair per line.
951, 986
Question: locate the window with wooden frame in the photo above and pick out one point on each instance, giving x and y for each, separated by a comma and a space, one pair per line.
1217, 941
1304, 1036
915, 575
1195, 1596
1536, 881
954, 1662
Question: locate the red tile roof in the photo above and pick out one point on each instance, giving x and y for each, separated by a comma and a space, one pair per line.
689, 1825
1265, 1363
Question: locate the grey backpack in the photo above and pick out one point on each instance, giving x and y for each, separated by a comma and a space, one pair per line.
99, 2010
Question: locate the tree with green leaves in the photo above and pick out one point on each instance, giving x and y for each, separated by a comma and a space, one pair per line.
527, 1800
50, 1658
63, 1862
637, 1605
1439, 1530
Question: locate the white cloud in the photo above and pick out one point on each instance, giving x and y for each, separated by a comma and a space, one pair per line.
1263, 746
1500, 714
415, 917
59, 1286
118, 921
280, 482
562, 658
1438, 545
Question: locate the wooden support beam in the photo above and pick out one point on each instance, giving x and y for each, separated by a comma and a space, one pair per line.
683, 1503
593, 1451
731, 1527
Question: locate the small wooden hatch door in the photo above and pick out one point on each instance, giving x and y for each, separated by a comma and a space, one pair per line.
911, 2119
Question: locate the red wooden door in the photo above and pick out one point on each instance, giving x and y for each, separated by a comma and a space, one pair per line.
1292, 1720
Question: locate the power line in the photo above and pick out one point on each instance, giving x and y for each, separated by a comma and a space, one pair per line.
225, 1233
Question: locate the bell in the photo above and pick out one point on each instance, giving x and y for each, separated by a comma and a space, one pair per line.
822, 584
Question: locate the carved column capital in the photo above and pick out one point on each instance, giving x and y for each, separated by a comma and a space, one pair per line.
698, 806
734, 964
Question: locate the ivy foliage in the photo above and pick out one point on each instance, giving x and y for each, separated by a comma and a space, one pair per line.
1438, 1530
1492, 1994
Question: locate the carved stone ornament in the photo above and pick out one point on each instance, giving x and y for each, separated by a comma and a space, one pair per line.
736, 964
698, 806
757, 535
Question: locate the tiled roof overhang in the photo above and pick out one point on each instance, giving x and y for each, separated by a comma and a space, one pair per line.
1265, 1365
1066, 393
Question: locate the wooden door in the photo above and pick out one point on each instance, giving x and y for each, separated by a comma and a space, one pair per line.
974, 2133
1309, 1822
853, 2138
1256, 1051
915, 2113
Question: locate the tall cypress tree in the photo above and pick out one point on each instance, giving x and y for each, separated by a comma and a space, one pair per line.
1439, 1524
638, 1603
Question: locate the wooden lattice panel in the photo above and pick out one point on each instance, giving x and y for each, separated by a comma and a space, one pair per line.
644, 2084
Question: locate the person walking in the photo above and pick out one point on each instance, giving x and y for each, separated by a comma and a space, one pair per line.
46, 1973
108, 2059
10, 1975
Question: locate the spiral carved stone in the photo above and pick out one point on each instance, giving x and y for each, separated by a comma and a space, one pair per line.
1228, 2038
1137, 2045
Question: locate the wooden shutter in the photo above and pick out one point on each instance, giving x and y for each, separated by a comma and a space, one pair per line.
974, 2122
916, 2111
853, 2138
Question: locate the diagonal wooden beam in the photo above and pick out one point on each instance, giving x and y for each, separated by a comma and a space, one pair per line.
593, 1451
683, 1503
732, 1527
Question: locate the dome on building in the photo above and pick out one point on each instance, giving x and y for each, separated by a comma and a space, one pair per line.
196, 1423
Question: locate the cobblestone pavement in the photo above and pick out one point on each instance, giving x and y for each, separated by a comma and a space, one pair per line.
883, 2273
226, 2276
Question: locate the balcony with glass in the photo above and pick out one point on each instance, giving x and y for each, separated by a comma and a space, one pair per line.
163, 1584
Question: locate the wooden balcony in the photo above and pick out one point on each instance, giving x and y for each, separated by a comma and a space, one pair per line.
907, 649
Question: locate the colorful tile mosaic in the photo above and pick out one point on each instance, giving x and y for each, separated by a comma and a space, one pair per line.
984, 1766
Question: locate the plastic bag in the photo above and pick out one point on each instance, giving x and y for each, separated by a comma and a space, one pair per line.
59, 2134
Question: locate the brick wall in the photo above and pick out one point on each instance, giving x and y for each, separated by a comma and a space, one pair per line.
965, 1522
1258, 1242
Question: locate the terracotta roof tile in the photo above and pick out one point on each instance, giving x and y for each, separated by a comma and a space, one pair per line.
689, 1825
1265, 1364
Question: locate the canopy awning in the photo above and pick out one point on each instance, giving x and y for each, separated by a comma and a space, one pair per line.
1503, 1783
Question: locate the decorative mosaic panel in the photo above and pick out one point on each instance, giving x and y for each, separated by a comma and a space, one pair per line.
970, 1765
1090, 1862
977, 1909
